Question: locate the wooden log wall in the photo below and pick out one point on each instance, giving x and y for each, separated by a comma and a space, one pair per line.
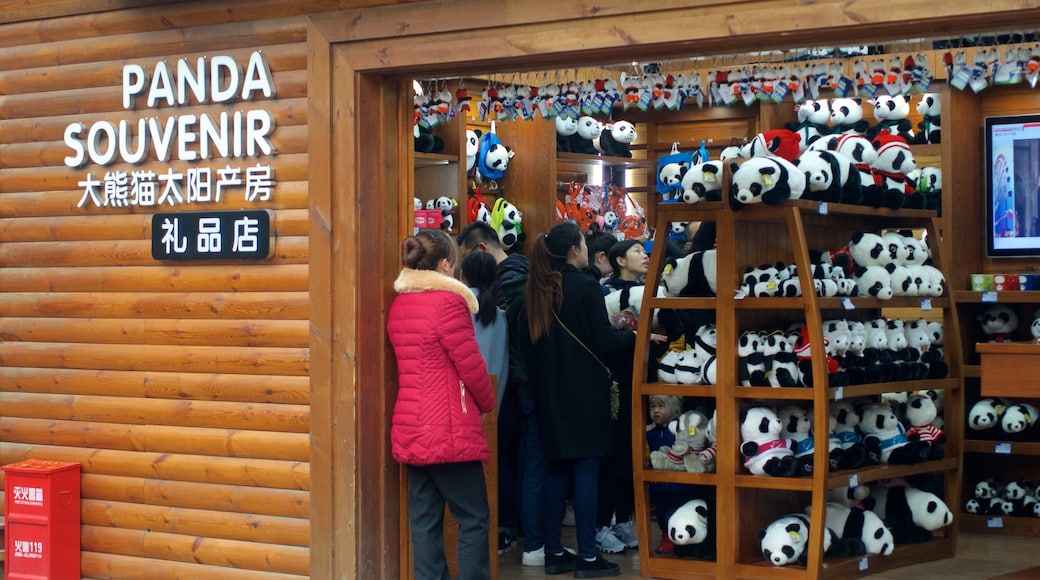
182, 387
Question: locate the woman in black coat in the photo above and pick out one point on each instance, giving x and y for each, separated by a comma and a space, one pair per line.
568, 337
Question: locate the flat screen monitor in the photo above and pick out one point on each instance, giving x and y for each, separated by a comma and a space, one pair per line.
1013, 186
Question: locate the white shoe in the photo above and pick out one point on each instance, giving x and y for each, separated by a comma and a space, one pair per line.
626, 532
537, 557
607, 542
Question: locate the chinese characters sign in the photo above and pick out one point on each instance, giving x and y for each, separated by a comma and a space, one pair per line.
217, 235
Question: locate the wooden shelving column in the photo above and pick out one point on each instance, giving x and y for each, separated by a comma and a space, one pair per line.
746, 503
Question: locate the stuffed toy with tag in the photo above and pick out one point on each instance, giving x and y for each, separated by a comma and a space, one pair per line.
894, 161
847, 116
920, 413
892, 114
786, 541
930, 127
616, 139
764, 451
798, 428
1019, 422
690, 440
702, 182
830, 176
846, 449
782, 143
912, 514
692, 275
862, 526
879, 422
762, 281
583, 139
813, 119
803, 351
986, 414
769, 180
446, 205
492, 156
691, 527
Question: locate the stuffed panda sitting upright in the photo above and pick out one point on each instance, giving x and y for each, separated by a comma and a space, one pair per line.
616, 139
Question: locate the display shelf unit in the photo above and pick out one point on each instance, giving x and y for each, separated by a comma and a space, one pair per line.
746, 503
437, 174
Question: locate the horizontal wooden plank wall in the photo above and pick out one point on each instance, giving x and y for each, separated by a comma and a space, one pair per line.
183, 388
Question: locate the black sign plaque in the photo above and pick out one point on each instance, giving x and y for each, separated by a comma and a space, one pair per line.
212, 235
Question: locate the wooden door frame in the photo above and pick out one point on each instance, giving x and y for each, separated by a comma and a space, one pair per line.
359, 116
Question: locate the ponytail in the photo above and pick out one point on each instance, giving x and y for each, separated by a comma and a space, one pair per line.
543, 296
480, 270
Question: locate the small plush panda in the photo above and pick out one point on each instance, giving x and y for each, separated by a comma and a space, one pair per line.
1020, 420
986, 414
670, 176
751, 365
472, 148
847, 116
813, 116
616, 139
879, 422
492, 157
798, 428
785, 540
894, 161
892, 114
691, 527
998, 322
692, 275
705, 346
930, 127
768, 180
765, 451
849, 452
566, 127
583, 139
761, 281
860, 524
703, 182
912, 514
687, 368
506, 219
1020, 494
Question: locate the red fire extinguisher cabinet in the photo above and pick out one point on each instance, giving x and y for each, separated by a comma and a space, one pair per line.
41, 506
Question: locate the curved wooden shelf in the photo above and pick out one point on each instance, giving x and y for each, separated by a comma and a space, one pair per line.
664, 476
879, 388
1028, 448
577, 161
680, 302
778, 393
879, 472
1002, 525
675, 389
904, 555
779, 483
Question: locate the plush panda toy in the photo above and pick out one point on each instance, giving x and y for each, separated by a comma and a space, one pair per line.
782, 143
998, 322
690, 276
765, 451
690, 440
616, 139
1020, 494
703, 182
847, 116
863, 155
813, 116
583, 139
472, 148
492, 156
880, 422
705, 347
986, 414
780, 359
847, 450
894, 161
830, 177
762, 281
892, 114
860, 524
751, 363
687, 368
1019, 422
785, 540
691, 527
566, 127
768, 180
506, 219
666, 367
930, 128
798, 428
920, 412
912, 514
869, 255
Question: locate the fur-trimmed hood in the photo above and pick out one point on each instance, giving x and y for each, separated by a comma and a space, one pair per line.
411, 281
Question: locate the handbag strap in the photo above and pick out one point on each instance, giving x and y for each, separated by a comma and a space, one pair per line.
578, 340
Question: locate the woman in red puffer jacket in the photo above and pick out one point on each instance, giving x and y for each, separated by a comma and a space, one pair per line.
437, 430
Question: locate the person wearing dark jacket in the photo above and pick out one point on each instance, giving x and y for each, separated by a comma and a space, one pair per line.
568, 336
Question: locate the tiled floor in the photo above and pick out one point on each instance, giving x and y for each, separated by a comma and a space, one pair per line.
978, 557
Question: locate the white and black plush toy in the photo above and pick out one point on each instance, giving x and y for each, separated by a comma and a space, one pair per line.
566, 127
692, 275
751, 363
986, 414
863, 155
849, 452
666, 367
616, 139
780, 359
472, 148
892, 114
762, 281
703, 182
582, 141
860, 524
830, 176
765, 451
769, 180
492, 156
1020, 421
691, 528
687, 368
847, 116
690, 440
998, 322
813, 118
930, 127
798, 428
784, 541
912, 514
1020, 494
880, 422
920, 413
705, 345
894, 161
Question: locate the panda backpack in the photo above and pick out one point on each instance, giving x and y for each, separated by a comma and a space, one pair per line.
505, 219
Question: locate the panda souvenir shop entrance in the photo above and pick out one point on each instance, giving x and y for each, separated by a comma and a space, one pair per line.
359, 111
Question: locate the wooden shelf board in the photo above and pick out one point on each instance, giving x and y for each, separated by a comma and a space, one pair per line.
905, 555
574, 161
765, 570
664, 476
1017, 297
837, 302
658, 566
684, 303
780, 483
680, 390
762, 212
1009, 525
770, 303
682, 211
879, 472
989, 447
427, 159
851, 391
785, 393
971, 371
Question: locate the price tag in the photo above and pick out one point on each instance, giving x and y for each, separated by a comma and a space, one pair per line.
1002, 448
822, 208
838, 393
863, 564
854, 480
738, 295
988, 296
847, 304
926, 304
995, 522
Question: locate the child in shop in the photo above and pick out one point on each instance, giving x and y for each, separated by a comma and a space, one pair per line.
663, 409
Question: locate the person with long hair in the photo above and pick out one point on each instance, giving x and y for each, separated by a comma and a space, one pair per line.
567, 337
479, 270
437, 430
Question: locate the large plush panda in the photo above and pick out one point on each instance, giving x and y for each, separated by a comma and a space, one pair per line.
912, 514
566, 127
691, 527
892, 114
583, 139
769, 180
690, 276
847, 116
894, 161
616, 139
703, 182
830, 177
860, 524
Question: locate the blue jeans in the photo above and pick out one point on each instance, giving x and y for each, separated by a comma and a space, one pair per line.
532, 477
585, 498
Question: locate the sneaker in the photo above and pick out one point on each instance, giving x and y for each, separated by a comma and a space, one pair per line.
534, 557
607, 542
598, 568
665, 547
559, 563
626, 532
568, 516
506, 541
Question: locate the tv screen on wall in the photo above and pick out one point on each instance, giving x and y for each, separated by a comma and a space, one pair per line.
1013, 186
